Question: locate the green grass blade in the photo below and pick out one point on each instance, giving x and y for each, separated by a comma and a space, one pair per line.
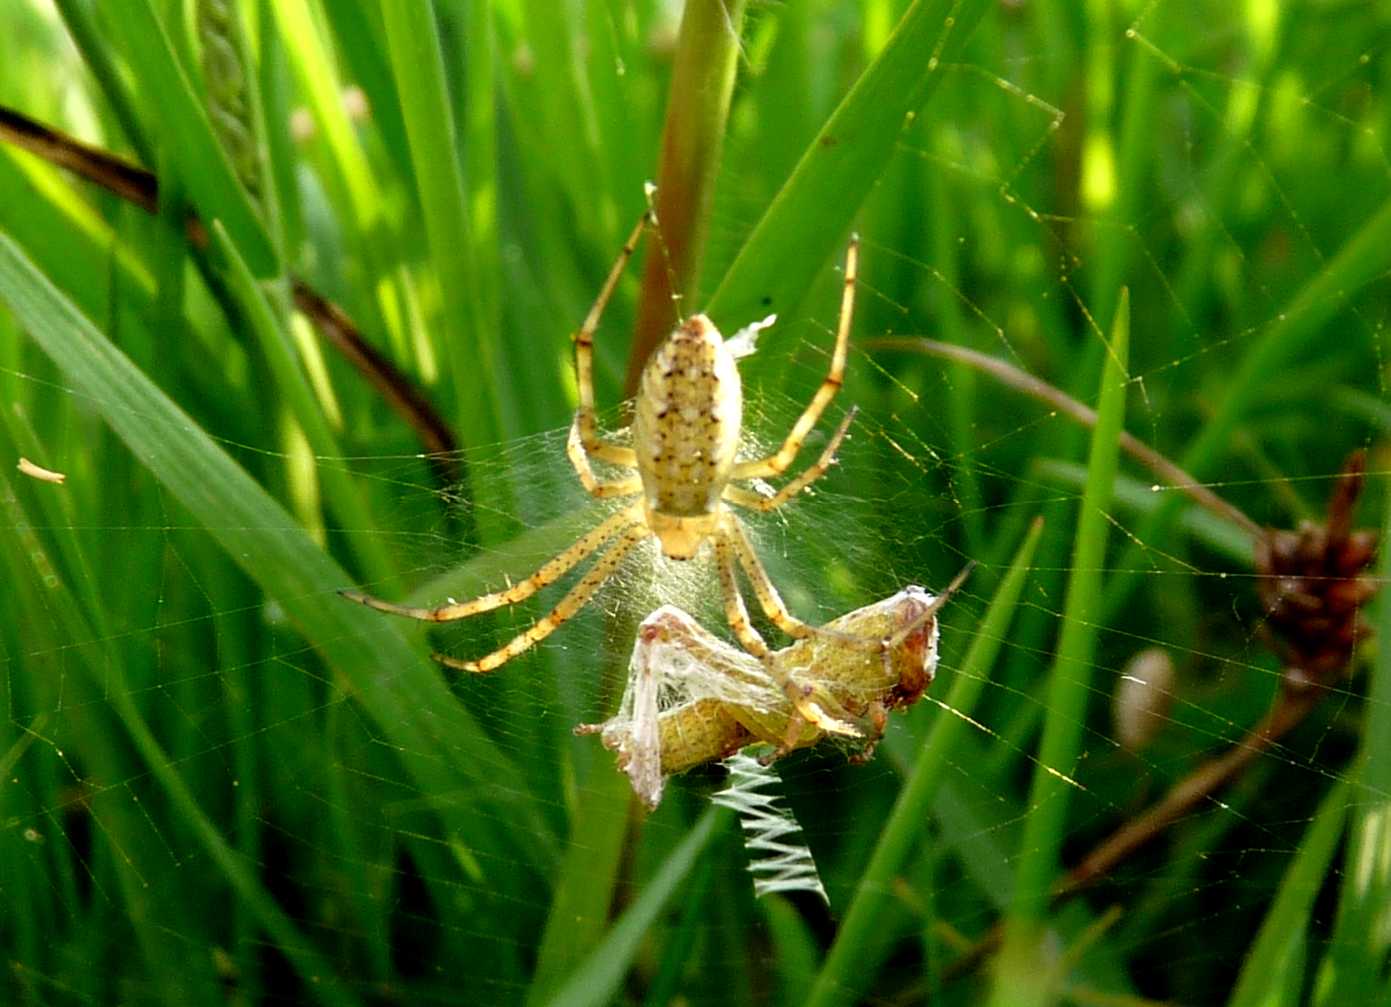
795, 948
1360, 261
60, 231
361, 201
680, 945
478, 125
414, 45
585, 881
90, 41
596, 981
107, 675
807, 220
1017, 981
318, 78
437, 740
1204, 527
203, 166
292, 386
1364, 257
1362, 936
843, 970
560, 99
1122, 157
947, 310
1263, 977
357, 30
1372, 408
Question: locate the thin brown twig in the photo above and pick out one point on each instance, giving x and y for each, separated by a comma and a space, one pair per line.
1022, 381
129, 181
1315, 632
401, 395
140, 187
1288, 710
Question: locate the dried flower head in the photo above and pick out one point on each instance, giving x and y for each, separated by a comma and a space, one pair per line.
1313, 583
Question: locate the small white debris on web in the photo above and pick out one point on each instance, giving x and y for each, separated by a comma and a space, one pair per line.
778, 864
763, 488
28, 468
745, 341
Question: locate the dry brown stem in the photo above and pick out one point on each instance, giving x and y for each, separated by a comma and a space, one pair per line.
140, 187
1007, 374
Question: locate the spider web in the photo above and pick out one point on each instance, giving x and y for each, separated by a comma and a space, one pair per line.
1015, 253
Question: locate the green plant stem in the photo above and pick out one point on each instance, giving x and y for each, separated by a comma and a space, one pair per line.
203, 165
836, 983
418, 64
597, 979
1017, 980
780, 259
707, 56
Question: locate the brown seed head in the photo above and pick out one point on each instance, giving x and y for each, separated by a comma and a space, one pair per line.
1313, 583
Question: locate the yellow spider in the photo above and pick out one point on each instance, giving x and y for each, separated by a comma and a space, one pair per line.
685, 439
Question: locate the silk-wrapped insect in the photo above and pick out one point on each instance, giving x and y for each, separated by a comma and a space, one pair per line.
692, 698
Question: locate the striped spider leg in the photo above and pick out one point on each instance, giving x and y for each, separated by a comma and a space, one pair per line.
681, 466
691, 698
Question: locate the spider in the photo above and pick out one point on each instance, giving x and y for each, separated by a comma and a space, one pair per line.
685, 438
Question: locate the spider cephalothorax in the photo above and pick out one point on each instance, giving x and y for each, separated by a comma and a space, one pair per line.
684, 470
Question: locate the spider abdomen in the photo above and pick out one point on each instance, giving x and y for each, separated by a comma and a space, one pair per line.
686, 433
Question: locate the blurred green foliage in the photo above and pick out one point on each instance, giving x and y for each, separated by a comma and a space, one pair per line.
221, 783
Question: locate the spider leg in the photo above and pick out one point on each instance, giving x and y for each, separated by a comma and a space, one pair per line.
548, 573
736, 613
777, 463
593, 444
575, 600
732, 531
810, 705
814, 707
594, 486
930, 612
741, 497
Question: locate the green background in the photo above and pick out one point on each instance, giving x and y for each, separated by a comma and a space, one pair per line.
223, 783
